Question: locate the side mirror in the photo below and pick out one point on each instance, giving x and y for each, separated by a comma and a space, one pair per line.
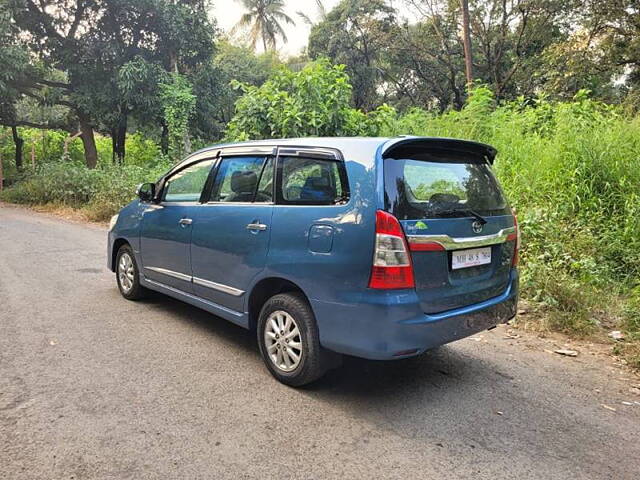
146, 191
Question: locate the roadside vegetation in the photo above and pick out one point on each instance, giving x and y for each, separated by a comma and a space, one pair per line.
567, 131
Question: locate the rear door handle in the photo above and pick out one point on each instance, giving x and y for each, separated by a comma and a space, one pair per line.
256, 226
185, 221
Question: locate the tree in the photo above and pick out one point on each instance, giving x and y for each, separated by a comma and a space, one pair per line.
91, 41
427, 63
263, 20
509, 40
178, 106
600, 55
17, 68
321, 14
357, 33
13, 59
311, 102
215, 97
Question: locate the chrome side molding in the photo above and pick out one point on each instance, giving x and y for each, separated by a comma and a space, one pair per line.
198, 281
457, 243
171, 273
218, 286
188, 295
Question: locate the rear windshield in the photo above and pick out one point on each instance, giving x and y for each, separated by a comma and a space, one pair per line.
441, 185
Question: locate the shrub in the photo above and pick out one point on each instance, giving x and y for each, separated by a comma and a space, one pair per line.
311, 102
101, 191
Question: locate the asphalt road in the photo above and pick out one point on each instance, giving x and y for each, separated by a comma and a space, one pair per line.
93, 386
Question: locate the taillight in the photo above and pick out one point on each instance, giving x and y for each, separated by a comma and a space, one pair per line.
515, 237
392, 267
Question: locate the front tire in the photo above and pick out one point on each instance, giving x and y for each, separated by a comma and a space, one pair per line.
128, 275
289, 340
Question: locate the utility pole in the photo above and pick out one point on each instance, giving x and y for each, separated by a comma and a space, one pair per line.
466, 40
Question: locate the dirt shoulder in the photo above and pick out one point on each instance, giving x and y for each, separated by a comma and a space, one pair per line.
57, 211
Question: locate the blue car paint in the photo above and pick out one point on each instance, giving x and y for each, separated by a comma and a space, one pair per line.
327, 252
442, 289
225, 252
166, 242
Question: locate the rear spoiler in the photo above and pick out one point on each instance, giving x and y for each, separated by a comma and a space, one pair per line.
405, 146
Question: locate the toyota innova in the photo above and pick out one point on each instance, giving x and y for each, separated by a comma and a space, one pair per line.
380, 248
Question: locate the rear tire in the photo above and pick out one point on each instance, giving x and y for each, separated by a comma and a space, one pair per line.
289, 340
128, 275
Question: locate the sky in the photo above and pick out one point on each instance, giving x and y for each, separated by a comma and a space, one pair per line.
228, 12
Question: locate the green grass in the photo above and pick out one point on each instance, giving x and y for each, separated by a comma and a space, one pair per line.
100, 193
572, 170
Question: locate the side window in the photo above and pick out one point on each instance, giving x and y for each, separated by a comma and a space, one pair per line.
187, 184
311, 181
237, 179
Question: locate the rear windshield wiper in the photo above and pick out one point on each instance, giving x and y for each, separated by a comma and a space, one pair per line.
464, 211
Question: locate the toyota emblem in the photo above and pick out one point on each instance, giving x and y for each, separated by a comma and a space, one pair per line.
477, 226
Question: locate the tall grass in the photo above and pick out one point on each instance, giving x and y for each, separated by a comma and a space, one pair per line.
572, 170
100, 192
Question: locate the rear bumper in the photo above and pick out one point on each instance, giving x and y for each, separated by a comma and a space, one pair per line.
378, 327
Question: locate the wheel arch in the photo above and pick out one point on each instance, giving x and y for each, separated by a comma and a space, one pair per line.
117, 243
263, 291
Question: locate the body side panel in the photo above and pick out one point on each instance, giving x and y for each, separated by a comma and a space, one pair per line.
225, 253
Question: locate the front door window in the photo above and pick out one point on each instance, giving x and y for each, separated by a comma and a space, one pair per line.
187, 184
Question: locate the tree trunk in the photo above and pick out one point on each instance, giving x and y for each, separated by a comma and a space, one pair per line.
19, 142
173, 62
164, 139
458, 102
466, 40
121, 138
89, 142
114, 145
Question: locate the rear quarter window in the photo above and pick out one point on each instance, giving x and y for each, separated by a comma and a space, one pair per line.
311, 181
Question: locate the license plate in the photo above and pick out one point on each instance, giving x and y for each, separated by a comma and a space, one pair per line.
470, 258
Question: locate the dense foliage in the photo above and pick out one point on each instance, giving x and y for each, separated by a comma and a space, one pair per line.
312, 102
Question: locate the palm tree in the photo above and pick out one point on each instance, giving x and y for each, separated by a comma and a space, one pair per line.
263, 21
322, 14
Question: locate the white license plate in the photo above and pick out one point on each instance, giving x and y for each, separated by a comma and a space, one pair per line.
470, 258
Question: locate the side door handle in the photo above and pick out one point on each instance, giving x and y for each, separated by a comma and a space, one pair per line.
185, 221
257, 226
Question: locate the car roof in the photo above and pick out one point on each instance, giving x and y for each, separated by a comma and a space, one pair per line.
361, 149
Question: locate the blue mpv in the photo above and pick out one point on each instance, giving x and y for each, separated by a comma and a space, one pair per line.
374, 247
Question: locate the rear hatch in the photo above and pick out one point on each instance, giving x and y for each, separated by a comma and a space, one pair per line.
457, 221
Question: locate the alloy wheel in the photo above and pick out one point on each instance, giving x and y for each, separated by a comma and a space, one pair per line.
126, 272
282, 341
